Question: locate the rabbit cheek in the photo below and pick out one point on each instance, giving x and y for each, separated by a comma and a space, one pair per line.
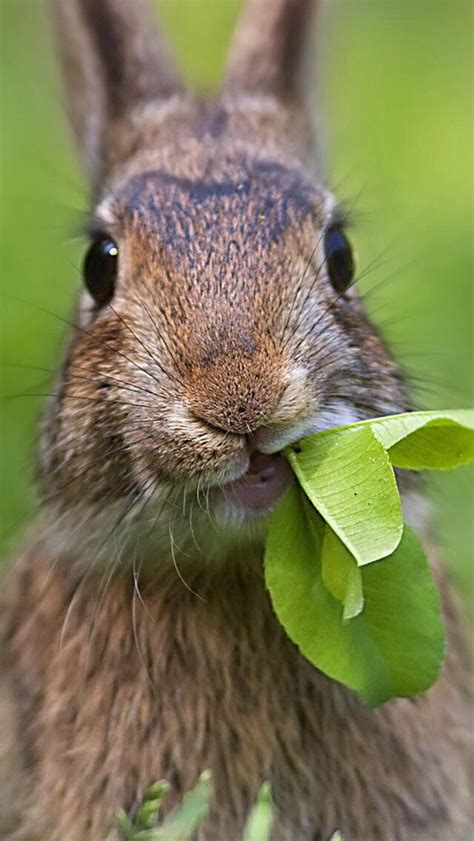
90, 463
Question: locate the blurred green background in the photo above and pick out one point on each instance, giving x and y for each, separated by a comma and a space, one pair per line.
395, 87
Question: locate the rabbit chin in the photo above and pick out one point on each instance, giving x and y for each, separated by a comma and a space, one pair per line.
184, 537
181, 531
178, 536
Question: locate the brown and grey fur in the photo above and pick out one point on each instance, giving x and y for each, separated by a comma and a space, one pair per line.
139, 639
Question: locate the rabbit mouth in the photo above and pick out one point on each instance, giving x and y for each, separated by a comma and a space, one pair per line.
262, 485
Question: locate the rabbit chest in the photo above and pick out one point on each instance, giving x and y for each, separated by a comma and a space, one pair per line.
119, 684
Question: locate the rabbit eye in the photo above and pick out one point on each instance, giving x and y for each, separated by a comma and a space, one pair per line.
339, 259
100, 270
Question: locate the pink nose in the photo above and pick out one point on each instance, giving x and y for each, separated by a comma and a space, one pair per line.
262, 486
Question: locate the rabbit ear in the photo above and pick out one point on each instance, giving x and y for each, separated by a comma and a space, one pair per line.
269, 51
113, 60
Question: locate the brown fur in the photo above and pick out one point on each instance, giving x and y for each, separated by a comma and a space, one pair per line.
140, 642
124, 688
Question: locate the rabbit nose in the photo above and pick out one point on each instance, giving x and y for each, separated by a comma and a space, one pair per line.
236, 396
239, 418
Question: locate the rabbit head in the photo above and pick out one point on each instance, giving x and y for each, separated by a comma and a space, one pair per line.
218, 320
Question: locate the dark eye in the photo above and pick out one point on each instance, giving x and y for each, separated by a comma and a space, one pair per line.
100, 269
339, 259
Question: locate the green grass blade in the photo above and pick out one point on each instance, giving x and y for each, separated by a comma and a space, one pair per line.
260, 820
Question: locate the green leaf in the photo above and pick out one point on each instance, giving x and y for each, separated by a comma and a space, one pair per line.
348, 477
394, 647
341, 575
148, 813
180, 824
260, 820
124, 823
441, 440
185, 819
157, 790
428, 440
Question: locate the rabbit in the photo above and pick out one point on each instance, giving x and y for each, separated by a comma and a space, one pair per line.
218, 322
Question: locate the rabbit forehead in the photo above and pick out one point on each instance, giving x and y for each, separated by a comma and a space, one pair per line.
252, 201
